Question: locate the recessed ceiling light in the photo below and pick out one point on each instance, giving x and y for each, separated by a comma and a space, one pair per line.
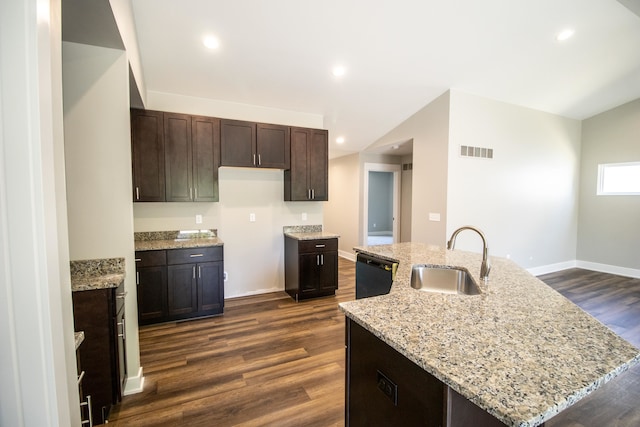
339, 71
211, 42
564, 35
340, 140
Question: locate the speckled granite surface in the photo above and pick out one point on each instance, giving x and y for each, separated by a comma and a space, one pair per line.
96, 273
156, 240
79, 337
520, 350
307, 232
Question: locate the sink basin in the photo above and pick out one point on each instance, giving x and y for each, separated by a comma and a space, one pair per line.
448, 280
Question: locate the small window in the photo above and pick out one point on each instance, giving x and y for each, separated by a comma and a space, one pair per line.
619, 179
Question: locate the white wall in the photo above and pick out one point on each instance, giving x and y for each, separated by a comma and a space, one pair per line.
98, 169
37, 355
526, 198
341, 213
253, 251
609, 226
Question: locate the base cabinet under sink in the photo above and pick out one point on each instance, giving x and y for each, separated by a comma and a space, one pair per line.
384, 388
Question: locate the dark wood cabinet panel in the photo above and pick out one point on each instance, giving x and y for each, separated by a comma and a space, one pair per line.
237, 143
179, 284
147, 156
311, 267
307, 179
100, 314
182, 291
273, 146
178, 157
205, 143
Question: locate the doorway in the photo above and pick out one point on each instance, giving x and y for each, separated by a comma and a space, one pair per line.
381, 218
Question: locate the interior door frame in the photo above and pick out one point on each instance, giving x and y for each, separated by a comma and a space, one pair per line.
397, 176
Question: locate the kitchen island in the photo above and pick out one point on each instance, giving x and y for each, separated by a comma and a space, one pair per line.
519, 351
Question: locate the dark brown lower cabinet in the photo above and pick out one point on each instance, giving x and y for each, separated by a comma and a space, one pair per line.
100, 314
178, 284
384, 388
311, 267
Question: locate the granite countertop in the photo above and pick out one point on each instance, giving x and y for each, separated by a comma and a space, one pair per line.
520, 350
79, 338
308, 232
156, 240
93, 274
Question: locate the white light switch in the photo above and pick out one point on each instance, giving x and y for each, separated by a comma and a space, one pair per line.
198, 219
252, 217
304, 216
434, 216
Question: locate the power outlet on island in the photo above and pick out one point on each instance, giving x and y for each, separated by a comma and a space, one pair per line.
304, 216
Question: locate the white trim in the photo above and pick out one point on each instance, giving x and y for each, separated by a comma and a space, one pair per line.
612, 269
351, 256
397, 176
255, 292
551, 268
134, 384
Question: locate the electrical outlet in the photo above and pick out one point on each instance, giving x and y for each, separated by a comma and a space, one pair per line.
304, 216
198, 219
252, 217
434, 216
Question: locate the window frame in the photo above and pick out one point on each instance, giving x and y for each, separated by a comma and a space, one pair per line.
601, 177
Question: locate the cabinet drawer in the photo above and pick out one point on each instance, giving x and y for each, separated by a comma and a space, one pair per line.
194, 255
151, 258
319, 245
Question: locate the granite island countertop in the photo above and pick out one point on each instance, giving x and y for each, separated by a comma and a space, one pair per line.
158, 240
520, 350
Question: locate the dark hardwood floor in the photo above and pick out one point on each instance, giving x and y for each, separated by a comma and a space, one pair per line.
270, 361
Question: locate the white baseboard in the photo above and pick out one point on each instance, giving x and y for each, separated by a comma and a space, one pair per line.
351, 256
134, 384
256, 292
551, 268
586, 265
612, 269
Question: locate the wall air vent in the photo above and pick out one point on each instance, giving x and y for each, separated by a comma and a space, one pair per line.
407, 166
482, 152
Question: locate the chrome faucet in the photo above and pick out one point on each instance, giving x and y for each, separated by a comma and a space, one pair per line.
486, 266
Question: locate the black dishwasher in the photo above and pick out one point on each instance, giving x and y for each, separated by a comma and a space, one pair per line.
374, 276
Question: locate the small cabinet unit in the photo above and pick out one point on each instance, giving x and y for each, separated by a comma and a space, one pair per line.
311, 267
100, 314
248, 144
191, 158
178, 284
147, 156
307, 179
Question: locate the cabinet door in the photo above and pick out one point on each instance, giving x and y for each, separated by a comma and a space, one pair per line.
210, 287
177, 139
205, 143
318, 164
296, 185
328, 277
309, 273
272, 146
121, 352
147, 156
152, 294
181, 284
237, 143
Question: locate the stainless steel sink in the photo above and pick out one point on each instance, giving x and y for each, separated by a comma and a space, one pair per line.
448, 280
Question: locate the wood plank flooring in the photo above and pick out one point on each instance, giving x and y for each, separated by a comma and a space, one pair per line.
270, 361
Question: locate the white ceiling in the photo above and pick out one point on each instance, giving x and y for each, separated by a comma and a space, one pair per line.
399, 56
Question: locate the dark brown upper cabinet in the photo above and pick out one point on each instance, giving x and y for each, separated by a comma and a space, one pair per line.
147, 156
307, 179
248, 144
191, 158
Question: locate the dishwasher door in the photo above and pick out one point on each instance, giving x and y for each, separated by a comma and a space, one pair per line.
374, 276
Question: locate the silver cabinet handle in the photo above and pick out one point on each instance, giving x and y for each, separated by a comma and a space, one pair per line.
317, 259
191, 193
199, 272
313, 194
88, 405
254, 160
137, 193
195, 191
138, 259
195, 255
80, 377
322, 259
194, 271
309, 194
259, 160
123, 335
122, 295
320, 246
137, 277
